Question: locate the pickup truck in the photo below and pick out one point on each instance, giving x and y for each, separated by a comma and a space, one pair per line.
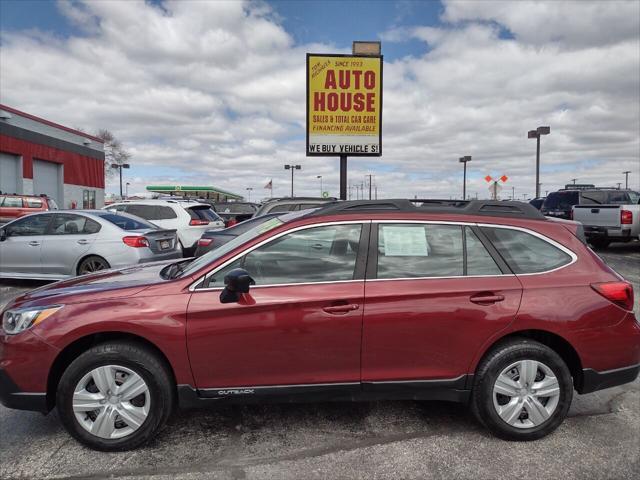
608, 223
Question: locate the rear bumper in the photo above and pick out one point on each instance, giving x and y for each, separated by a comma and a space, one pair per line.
12, 397
593, 380
592, 232
159, 257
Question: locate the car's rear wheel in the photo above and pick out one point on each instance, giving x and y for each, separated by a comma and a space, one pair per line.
523, 390
115, 396
92, 264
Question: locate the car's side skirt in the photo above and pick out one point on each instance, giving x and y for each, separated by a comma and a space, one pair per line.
454, 390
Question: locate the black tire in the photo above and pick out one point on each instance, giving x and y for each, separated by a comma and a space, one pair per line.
599, 243
503, 356
91, 264
140, 360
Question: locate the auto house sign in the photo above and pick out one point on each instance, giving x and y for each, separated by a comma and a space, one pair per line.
344, 105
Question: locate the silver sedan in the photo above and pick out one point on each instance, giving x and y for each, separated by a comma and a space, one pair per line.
63, 244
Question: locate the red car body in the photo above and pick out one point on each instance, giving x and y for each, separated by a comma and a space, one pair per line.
16, 206
363, 338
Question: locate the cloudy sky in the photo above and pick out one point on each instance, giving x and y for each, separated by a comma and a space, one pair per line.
213, 92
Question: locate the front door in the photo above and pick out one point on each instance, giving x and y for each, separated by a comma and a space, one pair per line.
20, 251
302, 323
430, 307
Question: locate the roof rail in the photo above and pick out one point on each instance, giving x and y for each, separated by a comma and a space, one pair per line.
489, 208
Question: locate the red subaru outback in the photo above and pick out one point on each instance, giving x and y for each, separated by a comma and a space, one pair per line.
487, 303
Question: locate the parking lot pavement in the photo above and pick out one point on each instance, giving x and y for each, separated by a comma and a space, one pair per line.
599, 440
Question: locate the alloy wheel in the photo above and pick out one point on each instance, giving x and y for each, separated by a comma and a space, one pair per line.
526, 394
111, 401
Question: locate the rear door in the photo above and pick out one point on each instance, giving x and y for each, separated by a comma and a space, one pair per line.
20, 252
434, 295
68, 238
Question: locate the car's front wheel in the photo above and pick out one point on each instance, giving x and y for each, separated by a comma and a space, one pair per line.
523, 390
115, 396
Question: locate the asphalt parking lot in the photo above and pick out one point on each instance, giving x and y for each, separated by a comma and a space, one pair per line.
599, 440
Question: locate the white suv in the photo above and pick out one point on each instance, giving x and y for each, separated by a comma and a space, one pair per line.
190, 219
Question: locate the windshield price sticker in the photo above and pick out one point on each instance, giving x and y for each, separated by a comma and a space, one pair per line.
344, 109
405, 241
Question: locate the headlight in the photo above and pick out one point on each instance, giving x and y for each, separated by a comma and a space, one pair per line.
15, 321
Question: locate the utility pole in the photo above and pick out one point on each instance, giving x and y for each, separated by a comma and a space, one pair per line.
574, 180
536, 134
292, 168
464, 161
369, 175
120, 166
626, 179
619, 183
249, 190
513, 193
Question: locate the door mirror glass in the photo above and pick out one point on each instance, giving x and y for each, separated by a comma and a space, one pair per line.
237, 281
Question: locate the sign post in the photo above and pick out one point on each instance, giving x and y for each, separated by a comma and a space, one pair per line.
344, 107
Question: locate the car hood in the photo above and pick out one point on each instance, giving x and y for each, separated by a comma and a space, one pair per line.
108, 284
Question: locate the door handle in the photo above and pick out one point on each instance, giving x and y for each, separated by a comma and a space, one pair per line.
341, 308
83, 242
485, 299
33, 243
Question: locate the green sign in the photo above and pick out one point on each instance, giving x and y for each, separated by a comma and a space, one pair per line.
325, 194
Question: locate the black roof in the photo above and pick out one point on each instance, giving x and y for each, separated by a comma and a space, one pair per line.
489, 208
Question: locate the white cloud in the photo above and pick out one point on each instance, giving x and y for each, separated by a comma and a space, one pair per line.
213, 92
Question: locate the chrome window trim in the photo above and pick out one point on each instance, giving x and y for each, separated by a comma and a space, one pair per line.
574, 257
192, 287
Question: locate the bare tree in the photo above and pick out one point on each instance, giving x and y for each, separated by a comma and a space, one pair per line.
114, 152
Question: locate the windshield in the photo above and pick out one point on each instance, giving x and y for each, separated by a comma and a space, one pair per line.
221, 251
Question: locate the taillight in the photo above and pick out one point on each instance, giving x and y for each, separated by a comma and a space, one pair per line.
205, 242
198, 222
136, 242
620, 293
626, 217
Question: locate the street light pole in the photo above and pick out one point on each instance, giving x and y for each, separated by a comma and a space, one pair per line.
292, 168
369, 175
574, 180
120, 166
537, 134
126, 194
626, 179
249, 190
320, 177
464, 161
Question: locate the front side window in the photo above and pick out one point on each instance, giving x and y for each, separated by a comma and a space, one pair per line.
318, 254
526, 253
33, 225
419, 250
12, 202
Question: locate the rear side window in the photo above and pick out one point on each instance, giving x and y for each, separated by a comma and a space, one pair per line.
619, 198
148, 212
69, 224
414, 250
479, 261
203, 213
526, 253
33, 202
283, 207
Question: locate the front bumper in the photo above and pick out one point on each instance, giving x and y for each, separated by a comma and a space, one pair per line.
593, 380
12, 397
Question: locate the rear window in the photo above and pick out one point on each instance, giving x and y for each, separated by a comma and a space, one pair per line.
126, 222
202, 213
526, 253
560, 201
234, 208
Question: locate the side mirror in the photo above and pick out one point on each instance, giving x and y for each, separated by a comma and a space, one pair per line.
237, 281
